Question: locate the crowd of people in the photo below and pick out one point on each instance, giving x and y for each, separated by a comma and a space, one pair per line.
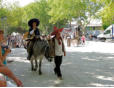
75, 38
15, 41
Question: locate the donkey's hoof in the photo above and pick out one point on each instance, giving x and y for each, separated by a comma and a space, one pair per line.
35, 70
40, 73
32, 69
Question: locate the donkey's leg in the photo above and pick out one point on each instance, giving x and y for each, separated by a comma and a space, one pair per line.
36, 65
32, 65
40, 64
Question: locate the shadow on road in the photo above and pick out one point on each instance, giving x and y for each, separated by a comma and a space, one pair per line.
79, 69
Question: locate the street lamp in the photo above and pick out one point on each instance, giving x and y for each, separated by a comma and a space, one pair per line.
4, 23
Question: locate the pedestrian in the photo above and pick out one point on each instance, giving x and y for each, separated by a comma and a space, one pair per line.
4, 47
3, 54
59, 51
83, 39
78, 35
4, 69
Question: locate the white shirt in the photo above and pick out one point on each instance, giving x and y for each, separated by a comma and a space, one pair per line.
31, 32
58, 48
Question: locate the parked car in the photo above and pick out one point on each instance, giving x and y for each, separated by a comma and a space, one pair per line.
107, 34
92, 34
95, 33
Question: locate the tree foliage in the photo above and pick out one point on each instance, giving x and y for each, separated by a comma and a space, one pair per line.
57, 12
107, 14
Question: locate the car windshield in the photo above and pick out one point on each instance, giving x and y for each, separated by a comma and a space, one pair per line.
107, 32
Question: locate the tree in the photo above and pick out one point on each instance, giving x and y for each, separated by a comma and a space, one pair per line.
57, 12
107, 13
39, 10
68, 9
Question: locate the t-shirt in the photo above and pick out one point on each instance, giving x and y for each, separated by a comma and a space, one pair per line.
37, 32
58, 48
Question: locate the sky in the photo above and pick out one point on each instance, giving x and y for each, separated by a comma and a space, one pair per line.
21, 2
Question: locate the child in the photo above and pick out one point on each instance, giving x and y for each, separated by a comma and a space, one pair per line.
4, 47
83, 39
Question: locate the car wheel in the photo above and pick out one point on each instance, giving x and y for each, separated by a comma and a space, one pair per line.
103, 39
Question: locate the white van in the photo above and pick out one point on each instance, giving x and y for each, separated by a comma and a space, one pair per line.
107, 34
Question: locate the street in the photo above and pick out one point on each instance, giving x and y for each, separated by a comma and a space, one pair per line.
84, 66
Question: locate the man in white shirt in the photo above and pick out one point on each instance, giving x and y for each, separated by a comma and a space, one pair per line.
59, 51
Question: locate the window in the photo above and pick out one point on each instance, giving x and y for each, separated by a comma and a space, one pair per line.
107, 32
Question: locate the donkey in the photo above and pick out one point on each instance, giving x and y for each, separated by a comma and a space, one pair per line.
41, 48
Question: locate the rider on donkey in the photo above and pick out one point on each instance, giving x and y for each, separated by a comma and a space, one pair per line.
33, 31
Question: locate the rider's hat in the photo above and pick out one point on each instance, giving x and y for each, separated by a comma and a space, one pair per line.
30, 22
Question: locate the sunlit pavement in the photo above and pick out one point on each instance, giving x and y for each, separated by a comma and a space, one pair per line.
88, 65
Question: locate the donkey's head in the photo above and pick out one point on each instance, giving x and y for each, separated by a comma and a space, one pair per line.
51, 47
50, 50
